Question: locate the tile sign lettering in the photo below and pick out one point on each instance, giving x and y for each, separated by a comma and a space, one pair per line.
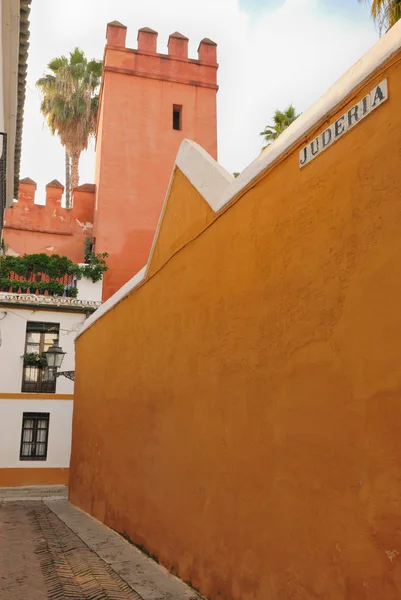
351, 118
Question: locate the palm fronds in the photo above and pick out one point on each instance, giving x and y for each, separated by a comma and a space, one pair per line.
70, 102
281, 120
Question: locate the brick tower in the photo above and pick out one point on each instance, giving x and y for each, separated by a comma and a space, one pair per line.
149, 103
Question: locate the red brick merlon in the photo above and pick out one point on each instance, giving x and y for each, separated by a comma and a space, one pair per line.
55, 183
28, 181
116, 34
147, 40
207, 51
178, 45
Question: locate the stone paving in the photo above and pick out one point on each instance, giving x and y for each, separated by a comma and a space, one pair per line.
50, 549
14, 494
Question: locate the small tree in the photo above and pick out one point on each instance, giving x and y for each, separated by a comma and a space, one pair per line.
281, 120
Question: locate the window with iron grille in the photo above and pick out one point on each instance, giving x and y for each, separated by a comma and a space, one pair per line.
39, 338
34, 437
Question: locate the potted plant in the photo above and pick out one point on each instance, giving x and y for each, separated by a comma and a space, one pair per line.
50, 288
72, 292
42, 287
24, 286
4, 284
33, 359
14, 286
55, 288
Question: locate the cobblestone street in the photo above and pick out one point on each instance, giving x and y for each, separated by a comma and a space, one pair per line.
52, 550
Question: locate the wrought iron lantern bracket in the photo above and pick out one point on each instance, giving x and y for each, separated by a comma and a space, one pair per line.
68, 374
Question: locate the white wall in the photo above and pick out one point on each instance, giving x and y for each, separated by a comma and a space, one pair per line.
13, 322
10, 18
89, 290
60, 429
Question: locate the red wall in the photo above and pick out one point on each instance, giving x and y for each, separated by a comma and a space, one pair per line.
136, 142
50, 228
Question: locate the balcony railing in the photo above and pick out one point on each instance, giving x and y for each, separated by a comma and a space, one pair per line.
39, 283
38, 379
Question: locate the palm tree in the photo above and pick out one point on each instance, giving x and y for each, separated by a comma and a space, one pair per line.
385, 13
281, 120
70, 101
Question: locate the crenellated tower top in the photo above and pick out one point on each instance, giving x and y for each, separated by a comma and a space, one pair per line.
146, 61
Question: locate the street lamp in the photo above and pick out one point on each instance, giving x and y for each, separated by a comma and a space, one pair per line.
54, 358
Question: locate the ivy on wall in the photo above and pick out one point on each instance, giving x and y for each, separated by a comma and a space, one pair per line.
40, 272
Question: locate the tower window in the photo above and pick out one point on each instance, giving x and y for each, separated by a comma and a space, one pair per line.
177, 117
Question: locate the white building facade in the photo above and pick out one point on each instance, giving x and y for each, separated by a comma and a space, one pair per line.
14, 44
35, 406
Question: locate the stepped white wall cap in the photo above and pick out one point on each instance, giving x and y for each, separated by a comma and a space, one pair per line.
205, 174
115, 299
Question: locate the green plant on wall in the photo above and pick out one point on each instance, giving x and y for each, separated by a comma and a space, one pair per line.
32, 268
95, 267
72, 292
88, 246
33, 359
54, 266
4, 284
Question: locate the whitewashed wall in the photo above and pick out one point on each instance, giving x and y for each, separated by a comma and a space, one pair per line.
89, 290
60, 430
13, 322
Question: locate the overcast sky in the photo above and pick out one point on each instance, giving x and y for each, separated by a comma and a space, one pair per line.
271, 53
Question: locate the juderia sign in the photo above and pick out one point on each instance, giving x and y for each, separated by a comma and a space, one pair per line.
351, 118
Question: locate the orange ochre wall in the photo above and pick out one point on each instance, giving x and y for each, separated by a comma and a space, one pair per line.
21, 477
137, 145
241, 415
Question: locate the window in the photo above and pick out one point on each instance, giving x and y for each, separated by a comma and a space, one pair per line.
35, 433
39, 338
177, 114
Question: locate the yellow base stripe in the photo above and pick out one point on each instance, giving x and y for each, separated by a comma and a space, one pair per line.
51, 476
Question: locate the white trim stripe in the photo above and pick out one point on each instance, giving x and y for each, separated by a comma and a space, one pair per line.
122, 293
206, 175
